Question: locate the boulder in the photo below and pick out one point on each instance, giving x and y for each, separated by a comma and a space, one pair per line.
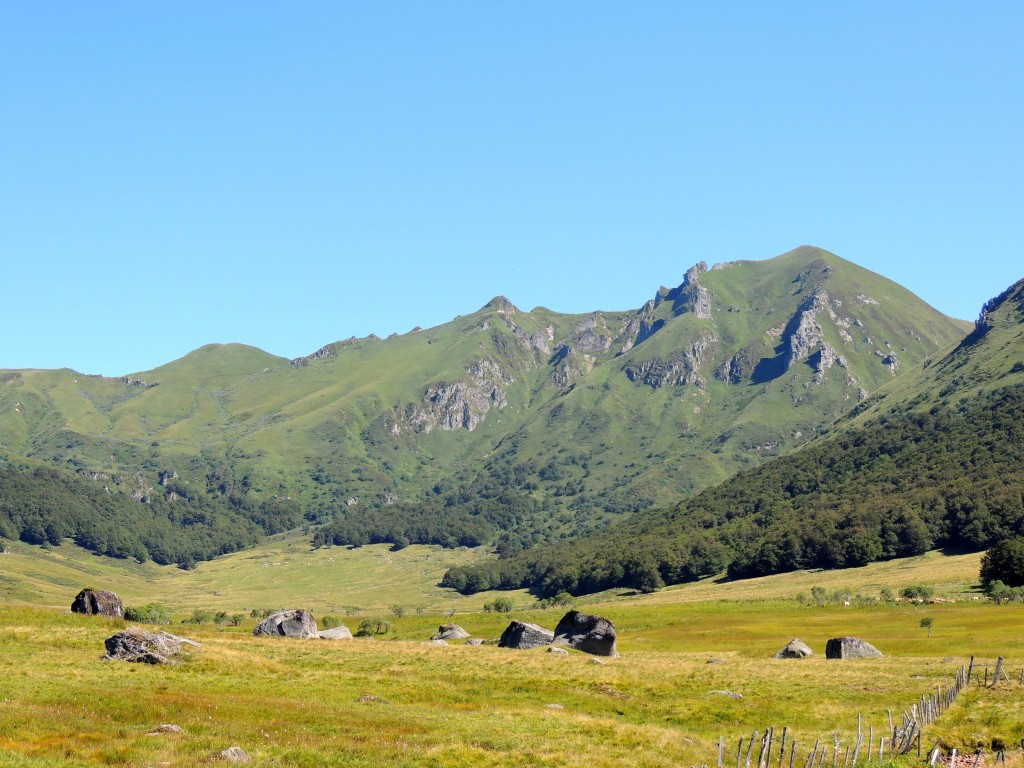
794, 649
98, 602
523, 635
295, 623
450, 632
335, 633
850, 648
556, 649
145, 647
436, 641
586, 632
475, 641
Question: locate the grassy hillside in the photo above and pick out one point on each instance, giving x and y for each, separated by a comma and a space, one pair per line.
935, 459
536, 425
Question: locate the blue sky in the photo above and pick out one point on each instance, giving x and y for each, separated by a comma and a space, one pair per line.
287, 175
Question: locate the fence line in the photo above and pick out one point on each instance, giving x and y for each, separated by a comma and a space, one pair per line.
901, 739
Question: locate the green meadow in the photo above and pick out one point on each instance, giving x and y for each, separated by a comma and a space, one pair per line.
394, 700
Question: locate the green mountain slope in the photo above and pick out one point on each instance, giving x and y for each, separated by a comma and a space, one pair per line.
535, 425
936, 458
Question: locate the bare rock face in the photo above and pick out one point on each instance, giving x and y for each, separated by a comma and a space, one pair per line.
464, 404
145, 647
586, 632
98, 602
522, 635
336, 633
850, 648
794, 649
681, 369
294, 623
450, 632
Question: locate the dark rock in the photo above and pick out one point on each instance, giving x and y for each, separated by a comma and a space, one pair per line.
335, 633
794, 649
586, 632
522, 635
145, 647
98, 602
294, 623
450, 632
850, 648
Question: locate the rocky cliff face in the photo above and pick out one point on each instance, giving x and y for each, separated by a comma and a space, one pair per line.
463, 404
682, 368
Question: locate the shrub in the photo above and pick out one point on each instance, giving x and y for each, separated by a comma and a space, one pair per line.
330, 622
374, 626
151, 613
917, 592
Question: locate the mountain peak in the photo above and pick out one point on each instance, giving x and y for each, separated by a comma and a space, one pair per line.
501, 304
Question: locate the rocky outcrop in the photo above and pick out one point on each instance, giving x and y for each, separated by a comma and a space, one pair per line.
682, 368
450, 632
794, 649
464, 404
690, 297
850, 648
740, 367
340, 632
523, 635
144, 647
586, 632
98, 602
806, 339
298, 623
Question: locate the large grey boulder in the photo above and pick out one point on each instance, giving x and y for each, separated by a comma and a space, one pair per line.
850, 648
523, 635
145, 647
98, 602
336, 633
294, 623
794, 649
450, 632
586, 632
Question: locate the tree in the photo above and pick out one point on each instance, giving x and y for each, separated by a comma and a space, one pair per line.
1004, 562
398, 610
926, 623
819, 594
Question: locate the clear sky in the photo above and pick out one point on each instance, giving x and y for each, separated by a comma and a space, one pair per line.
290, 174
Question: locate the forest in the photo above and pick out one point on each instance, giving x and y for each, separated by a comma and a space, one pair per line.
947, 476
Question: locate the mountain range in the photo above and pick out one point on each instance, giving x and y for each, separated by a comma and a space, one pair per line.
503, 426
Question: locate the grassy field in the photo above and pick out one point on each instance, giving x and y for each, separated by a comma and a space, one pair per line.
293, 703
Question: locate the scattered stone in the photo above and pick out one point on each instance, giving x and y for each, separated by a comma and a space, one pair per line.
293, 623
599, 662
553, 706
450, 632
335, 633
166, 728
523, 635
794, 649
562, 651
145, 647
715, 661
437, 642
730, 694
235, 755
850, 648
586, 632
98, 602
369, 698
475, 641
